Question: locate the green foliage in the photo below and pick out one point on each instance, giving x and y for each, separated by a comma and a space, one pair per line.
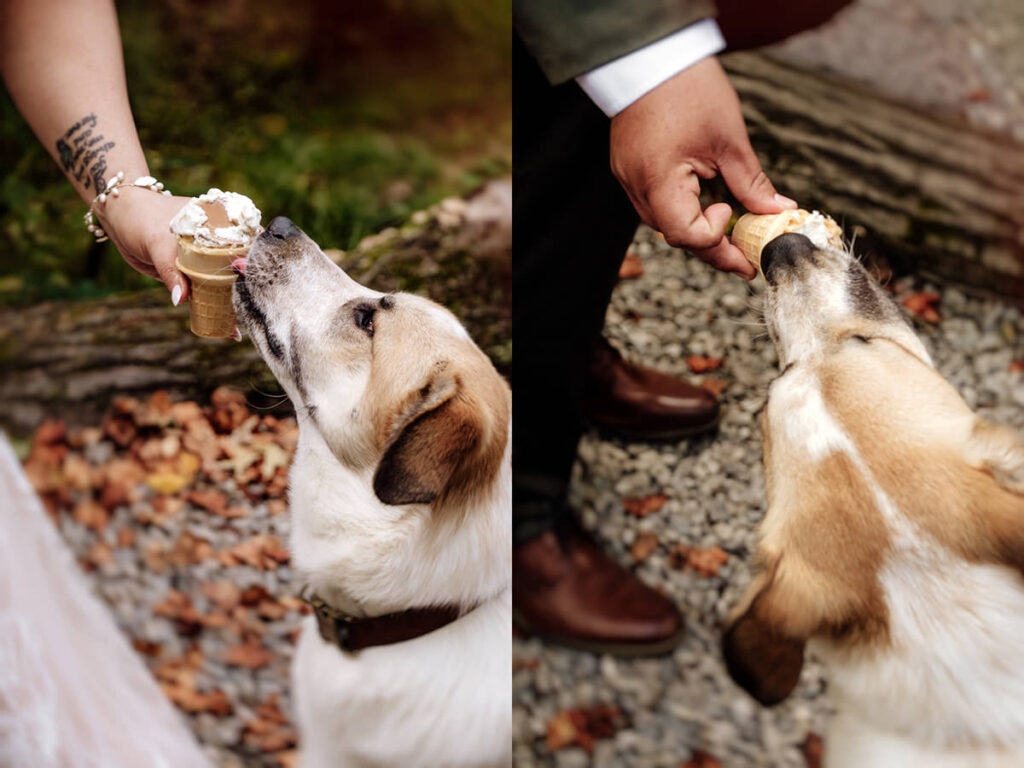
345, 117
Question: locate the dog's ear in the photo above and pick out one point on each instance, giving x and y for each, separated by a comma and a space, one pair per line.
430, 448
997, 450
763, 650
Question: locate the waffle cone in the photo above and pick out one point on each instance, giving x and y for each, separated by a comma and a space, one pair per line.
209, 273
754, 231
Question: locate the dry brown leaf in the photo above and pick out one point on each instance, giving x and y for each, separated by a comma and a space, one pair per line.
271, 610
250, 654
43, 469
529, 662
190, 700
125, 537
262, 551
155, 412
222, 397
120, 429
119, 478
189, 550
91, 515
274, 458
701, 759
154, 556
645, 505
222, 593
581, 727
78, 473
211, 500
276, 507
50, 432
201, 440
701, 364
644, 544
714, 386
162, 509
922, 305
146, 647
813, 749
186, 411
178, 607
293, 603
706, 561
254, 594
632, 266
562, 731
174, 605
99, 554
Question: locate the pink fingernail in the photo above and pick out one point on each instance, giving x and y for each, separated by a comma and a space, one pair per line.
784, 201
176, 295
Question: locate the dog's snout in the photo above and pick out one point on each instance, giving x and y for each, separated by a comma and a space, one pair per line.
282, 228
784, 252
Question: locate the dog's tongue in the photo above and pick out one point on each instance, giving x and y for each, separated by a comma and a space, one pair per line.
239, 265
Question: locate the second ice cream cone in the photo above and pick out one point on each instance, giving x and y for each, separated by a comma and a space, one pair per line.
754, 231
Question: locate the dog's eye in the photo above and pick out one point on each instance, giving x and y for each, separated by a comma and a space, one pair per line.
364, 318
863, 339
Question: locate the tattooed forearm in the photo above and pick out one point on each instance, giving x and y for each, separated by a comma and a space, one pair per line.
83, 153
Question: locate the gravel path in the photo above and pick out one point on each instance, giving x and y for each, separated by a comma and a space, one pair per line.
665, 711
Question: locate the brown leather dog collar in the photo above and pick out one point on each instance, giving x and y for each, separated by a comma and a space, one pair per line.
354, 634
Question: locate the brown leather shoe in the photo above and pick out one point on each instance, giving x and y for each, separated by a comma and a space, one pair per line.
643, 403
566, 591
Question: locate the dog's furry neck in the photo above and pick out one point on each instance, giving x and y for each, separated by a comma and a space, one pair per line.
368, 558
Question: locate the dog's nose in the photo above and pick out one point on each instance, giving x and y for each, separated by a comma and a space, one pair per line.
282, 227
783, 253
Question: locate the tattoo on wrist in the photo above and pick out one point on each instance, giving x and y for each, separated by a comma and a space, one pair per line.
83, 153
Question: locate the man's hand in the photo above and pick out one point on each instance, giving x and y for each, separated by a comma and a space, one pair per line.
691, 127
138, 222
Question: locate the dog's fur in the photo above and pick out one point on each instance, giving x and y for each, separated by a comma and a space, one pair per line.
400, 496
894, 534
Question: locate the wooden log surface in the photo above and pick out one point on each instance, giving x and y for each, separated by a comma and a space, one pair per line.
926, 195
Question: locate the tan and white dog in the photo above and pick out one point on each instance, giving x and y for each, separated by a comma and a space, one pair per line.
400, 496
893, 541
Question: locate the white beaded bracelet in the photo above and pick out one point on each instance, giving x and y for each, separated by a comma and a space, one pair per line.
113, 189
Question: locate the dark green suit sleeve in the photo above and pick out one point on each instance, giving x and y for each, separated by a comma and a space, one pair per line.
570, 37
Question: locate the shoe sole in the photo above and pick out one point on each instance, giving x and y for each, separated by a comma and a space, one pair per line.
658, 648
655, 437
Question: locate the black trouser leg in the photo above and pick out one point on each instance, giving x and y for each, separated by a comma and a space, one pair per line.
571, 226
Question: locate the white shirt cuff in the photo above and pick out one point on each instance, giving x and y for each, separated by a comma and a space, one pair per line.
617, 84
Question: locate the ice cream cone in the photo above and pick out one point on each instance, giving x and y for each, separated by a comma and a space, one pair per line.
212, 279
753, 232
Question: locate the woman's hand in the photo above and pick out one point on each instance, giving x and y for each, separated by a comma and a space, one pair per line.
137, 222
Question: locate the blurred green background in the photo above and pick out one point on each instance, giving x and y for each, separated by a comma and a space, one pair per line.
346, 117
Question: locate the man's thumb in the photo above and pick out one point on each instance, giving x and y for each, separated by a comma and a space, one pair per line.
750, 184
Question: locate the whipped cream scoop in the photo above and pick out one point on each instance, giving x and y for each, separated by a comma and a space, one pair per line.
218, 219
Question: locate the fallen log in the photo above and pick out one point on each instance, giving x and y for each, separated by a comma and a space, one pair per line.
69, 359
926, 195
